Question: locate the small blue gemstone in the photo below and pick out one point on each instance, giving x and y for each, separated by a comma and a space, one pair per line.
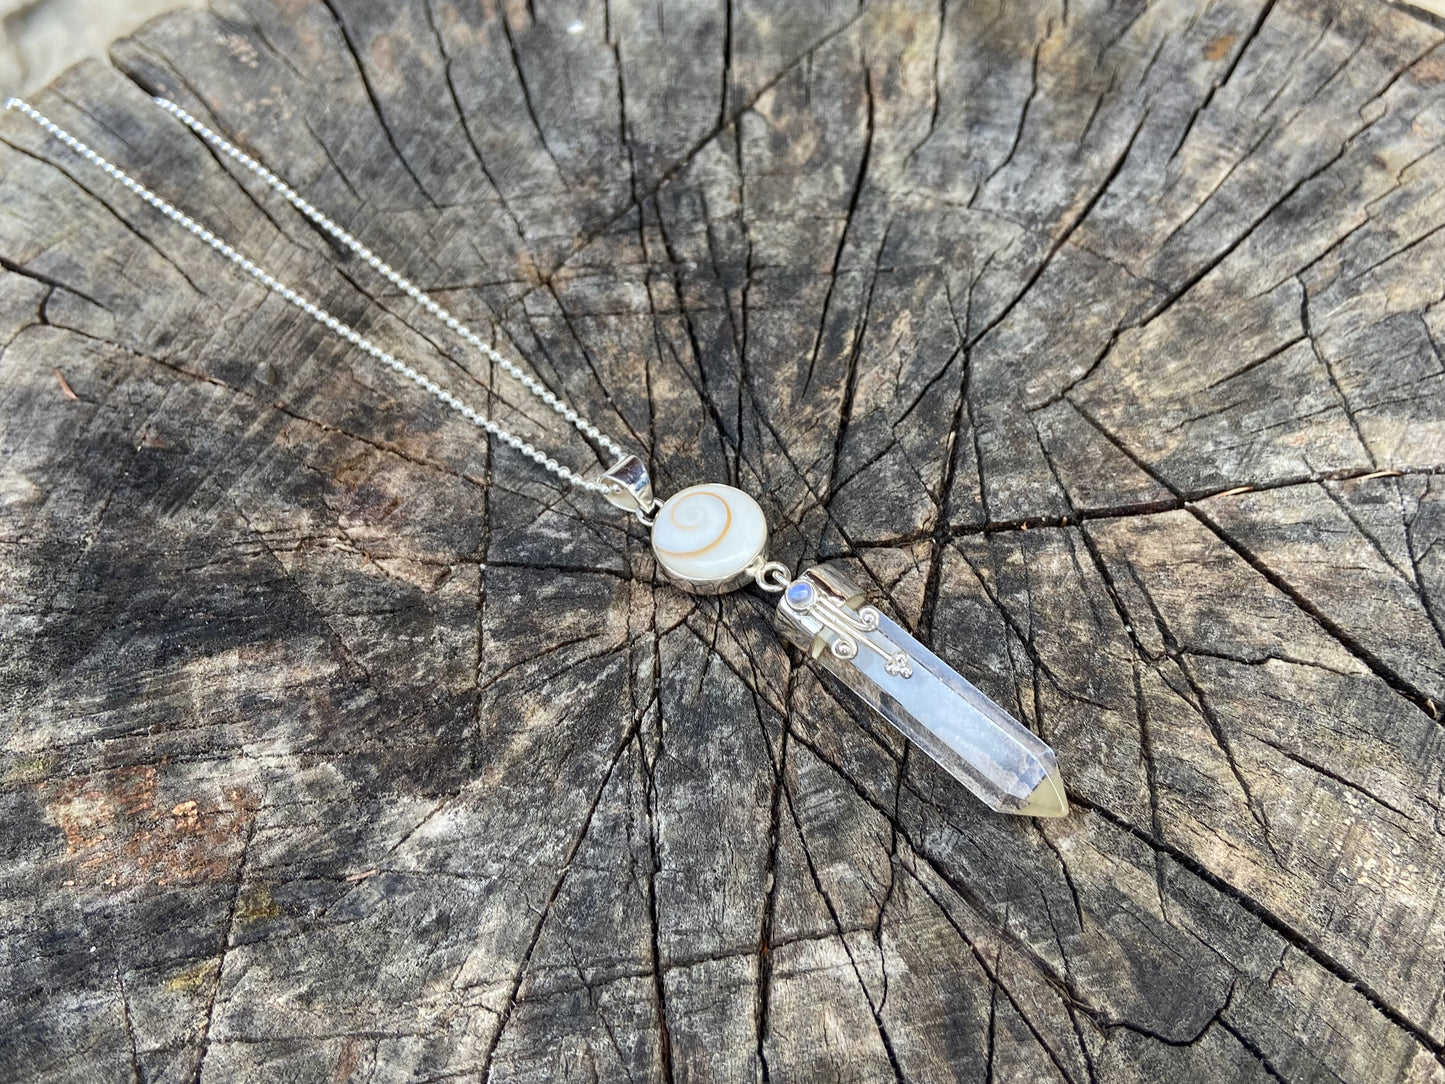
800, 594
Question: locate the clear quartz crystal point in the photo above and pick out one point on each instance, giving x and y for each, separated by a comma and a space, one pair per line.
976, 741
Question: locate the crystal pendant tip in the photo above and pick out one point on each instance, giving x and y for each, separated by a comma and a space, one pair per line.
1048, 799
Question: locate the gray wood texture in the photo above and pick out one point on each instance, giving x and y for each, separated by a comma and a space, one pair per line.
1105, 340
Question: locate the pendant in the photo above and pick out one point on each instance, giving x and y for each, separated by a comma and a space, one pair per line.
713, 538
953, 721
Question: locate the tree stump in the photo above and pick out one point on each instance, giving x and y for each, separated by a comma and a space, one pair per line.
1104, 342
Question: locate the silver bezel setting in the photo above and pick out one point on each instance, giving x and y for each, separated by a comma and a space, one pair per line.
741, 577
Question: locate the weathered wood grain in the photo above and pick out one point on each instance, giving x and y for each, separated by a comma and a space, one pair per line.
1105, 340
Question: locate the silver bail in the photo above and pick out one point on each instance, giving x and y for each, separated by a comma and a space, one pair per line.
630, 487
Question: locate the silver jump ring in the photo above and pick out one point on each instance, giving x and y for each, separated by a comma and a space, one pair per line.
773, 576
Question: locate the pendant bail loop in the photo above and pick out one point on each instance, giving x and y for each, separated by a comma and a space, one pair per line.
629, 487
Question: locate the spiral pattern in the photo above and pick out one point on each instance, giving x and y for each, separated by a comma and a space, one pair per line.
697, 523
709, 533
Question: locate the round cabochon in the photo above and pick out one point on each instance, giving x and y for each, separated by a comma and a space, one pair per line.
705, 536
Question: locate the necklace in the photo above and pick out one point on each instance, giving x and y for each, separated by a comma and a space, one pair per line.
708, 539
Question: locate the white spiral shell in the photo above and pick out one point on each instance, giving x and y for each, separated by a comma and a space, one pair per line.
706, 536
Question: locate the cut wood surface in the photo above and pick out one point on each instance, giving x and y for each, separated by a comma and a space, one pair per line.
1105, 342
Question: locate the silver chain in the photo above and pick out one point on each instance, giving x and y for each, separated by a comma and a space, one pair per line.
320, 315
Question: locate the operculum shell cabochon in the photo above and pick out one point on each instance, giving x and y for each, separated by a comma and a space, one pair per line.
708, 535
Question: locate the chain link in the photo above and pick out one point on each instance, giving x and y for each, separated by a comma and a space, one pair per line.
326, 319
